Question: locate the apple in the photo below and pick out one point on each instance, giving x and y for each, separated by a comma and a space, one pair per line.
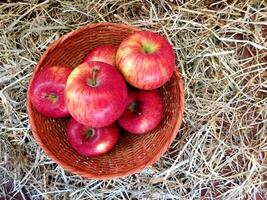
89, 141
143, 112
47, 91
146, 60
96, 94
102, 53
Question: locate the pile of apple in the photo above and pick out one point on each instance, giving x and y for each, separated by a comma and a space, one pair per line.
96, 93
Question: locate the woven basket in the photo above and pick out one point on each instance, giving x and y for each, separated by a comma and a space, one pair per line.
133, 152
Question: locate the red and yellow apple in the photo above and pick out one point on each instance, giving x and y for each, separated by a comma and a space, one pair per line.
146, 60
47, 91
102, 53
143, 112
96, 94
89, 141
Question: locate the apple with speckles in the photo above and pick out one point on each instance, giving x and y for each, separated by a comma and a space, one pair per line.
88, 141
102, 53
47, 91
143, 112
95, 94
146, 60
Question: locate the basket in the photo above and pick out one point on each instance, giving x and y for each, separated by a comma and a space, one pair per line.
133, 152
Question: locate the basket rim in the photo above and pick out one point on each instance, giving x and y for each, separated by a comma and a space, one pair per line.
84, 173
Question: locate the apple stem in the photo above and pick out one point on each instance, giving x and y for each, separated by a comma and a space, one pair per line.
88, 134
94, 76
52, 97
134, 108
93, 81
149, 47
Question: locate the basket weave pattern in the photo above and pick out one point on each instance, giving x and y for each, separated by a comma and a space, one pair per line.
133, 152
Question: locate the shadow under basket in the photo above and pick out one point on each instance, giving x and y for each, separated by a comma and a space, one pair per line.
133, 152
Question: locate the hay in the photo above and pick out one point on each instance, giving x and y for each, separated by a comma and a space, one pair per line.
220, 48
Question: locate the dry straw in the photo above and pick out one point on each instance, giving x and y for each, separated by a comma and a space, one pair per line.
220, 48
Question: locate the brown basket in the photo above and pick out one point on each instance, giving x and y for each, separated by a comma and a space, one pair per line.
133, 152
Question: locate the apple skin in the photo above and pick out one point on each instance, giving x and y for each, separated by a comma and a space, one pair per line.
146, 60
97, 142
102, 53
143, 113
96, 105
47, 91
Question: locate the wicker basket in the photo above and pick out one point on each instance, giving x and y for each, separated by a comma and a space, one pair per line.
133, 152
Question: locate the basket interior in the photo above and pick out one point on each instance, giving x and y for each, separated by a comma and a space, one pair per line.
133, 152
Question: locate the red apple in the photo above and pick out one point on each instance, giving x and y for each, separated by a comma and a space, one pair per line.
47, 91
143, 112
96, 94
89, 141
146, 60
102, 53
